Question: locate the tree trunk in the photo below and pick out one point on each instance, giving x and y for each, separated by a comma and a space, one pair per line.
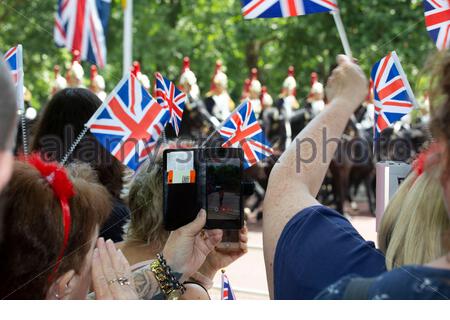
252, 53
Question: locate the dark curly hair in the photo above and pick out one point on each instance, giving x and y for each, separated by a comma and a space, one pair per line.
62, 121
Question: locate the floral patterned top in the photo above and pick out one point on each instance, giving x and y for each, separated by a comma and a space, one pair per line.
405, 283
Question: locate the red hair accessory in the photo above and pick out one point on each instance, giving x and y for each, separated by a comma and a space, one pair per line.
57, 178
419, 164
422, 160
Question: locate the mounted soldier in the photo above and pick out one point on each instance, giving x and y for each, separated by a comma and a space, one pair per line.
218, 102
255, 92
59, 82
97, 84
75, 73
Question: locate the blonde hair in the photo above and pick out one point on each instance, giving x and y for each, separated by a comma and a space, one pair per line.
145, 200
414, 224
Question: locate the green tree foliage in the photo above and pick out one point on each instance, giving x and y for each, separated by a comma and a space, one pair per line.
167, 30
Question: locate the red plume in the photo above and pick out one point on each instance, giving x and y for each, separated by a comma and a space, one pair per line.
314, 78
76, 56
94, 72
291, 71
136, 68
254, 74
186, 64
56, 70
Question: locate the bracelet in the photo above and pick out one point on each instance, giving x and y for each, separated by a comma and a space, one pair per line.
202, 280
168, 283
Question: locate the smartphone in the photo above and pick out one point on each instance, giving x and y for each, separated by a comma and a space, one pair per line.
223, 194
181, 204
230, 241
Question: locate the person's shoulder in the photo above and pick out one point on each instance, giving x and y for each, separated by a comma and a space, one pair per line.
337, 290
412, 282
320, 230
316, 213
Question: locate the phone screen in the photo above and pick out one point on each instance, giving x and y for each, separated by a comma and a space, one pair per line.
223, 188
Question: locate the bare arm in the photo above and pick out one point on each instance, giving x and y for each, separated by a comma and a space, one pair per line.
296, 178
146, 285
185, 252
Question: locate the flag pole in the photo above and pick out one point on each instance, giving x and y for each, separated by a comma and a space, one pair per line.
21, 100
342, 34
223, 282
127, 36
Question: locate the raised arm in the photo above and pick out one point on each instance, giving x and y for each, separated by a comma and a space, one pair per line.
296, 179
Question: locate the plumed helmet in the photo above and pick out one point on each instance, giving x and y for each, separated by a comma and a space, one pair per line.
60, 82
97, 80
145, 81
136, 69
187, 76
221, 80
266, 98
290, 83
255, 84
317, 88
314, 78
76, 69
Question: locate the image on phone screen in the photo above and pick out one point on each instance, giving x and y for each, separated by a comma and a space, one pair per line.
223, 188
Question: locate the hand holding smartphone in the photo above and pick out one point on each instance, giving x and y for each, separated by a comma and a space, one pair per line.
230, 241
209, 178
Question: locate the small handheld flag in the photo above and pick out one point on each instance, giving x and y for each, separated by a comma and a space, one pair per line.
172, 99
226, 292
14, 60
129, 122
252, 9
437, 20
242, 129
81, 25
393, 96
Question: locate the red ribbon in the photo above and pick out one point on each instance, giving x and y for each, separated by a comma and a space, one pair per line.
62, 187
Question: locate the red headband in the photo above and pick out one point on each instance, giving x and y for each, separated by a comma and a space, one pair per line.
57, 177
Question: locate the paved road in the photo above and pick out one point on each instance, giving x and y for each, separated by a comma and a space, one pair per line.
248, 274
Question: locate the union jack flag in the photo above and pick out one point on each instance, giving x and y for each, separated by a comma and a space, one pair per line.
242, 129
252, 9
226, 292
81, 25
437, 20
393, 96
129, 122
14, 59
171, 98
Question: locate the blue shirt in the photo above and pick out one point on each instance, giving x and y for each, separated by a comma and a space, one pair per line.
405, 283
318, 247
